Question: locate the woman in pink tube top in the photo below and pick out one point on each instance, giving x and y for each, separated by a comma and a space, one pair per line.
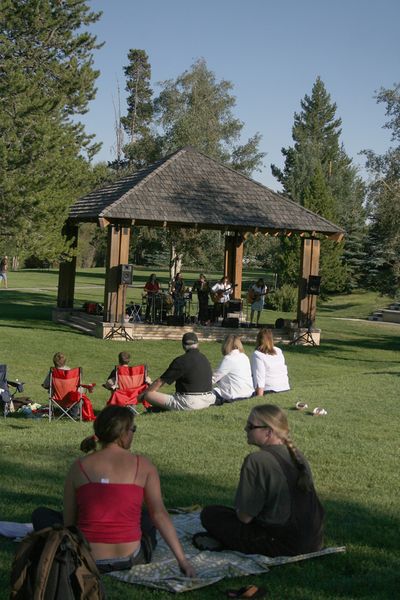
104, 494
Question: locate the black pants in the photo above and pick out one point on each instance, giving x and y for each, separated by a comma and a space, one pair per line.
222, 523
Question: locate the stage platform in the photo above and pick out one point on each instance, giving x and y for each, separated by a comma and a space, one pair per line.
94, 325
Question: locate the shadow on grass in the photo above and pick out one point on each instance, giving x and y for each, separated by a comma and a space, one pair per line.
329, 346
368, 569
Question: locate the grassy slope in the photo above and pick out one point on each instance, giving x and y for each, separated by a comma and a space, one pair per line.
354, 374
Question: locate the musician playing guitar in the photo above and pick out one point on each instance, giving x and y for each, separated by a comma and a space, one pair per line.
220, 294
255, 296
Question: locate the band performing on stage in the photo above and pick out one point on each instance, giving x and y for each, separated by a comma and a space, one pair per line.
201, 303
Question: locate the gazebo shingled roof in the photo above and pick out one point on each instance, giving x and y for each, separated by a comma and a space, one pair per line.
187, 188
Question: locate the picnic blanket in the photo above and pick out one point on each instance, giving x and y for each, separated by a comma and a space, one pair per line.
163, 572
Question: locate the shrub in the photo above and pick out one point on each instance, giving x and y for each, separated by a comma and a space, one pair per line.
283, 299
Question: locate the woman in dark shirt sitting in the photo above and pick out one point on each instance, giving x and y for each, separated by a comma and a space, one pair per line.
277, 511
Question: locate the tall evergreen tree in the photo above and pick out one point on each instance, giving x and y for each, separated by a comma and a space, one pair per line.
319, 175
383, 244
143, 147
46, 79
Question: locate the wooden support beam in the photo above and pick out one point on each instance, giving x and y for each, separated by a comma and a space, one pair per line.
67, 271
114, 290
307, 304
233, 263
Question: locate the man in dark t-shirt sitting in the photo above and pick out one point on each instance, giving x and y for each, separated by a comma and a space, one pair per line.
192, 375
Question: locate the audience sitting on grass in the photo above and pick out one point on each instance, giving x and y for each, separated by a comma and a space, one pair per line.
124, 359
59, 362
104, 493
276, 509
72, 397
232, 379
268, 365
192, 375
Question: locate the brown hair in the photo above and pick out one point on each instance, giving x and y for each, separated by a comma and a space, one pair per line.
275, 418
59, 360
231, 342
124, 358
108, 427
265, 341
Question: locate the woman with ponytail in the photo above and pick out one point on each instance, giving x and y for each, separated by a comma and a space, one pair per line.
277, 511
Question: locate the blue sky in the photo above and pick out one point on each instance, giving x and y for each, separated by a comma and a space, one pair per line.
272, 52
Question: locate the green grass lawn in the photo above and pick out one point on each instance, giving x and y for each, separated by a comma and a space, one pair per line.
354, 374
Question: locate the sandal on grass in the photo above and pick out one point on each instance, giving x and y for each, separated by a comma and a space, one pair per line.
204, 541
249, 591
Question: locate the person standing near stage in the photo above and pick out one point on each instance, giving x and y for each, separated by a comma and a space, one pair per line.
221, 293
3, 270
256, 296
192, 375
201, 286
178, 294
152, 288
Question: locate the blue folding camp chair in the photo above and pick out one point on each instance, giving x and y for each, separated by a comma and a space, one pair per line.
6, 395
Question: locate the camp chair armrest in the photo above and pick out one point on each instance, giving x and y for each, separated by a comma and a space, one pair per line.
88, 386
17, 384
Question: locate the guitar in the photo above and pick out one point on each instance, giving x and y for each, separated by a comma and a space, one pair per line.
216, 296
253, 296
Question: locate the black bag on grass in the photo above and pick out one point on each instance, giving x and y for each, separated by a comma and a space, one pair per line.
55, 563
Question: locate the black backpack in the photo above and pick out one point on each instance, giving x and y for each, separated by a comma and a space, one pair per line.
55, 564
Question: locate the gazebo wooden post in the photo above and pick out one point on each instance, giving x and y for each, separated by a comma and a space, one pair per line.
309, 265
233, 263
117, 254
67, 271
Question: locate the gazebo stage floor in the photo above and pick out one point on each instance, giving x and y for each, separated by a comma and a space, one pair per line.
94, 325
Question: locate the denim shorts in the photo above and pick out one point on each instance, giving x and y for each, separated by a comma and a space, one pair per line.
106, 565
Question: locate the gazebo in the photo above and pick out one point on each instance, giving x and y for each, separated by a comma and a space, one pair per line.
188, 189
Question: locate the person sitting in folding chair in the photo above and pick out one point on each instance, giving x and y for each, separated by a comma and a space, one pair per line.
6, 396
127, 382
66, 392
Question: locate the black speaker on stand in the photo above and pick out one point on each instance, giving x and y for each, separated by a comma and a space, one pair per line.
126, 274
313, 289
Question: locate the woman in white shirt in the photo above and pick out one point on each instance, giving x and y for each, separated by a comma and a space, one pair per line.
233, 376
268, 365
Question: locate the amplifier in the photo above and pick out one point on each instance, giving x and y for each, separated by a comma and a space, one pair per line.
234, 306
175, 321
232, 322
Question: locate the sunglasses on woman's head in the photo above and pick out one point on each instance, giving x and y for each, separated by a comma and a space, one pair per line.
250, 426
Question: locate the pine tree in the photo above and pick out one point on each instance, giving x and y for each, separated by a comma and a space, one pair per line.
383, 244
143, 147
320, 176
46, 79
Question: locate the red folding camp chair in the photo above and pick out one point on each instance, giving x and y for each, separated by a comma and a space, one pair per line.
129, 382
66, 397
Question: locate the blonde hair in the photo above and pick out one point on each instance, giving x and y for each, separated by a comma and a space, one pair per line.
231, 342
275, 418
265, 341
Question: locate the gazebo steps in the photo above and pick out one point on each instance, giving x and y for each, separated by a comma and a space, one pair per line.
388, 315
93, 325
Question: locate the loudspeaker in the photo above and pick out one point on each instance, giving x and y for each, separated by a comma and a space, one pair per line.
126, 274
176, 321
314, 285
232, 322
234, 306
